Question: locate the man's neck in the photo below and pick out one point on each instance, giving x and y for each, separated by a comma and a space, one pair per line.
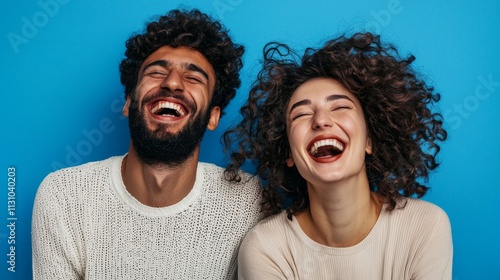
158, 186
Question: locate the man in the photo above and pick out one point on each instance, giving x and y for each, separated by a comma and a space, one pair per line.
156, 212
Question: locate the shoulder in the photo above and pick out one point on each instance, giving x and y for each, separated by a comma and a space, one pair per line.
269, 249
74, 179
249, 183
420, 216
68, 191
270, 225
84, 169
420, 210
268, 234
272, 250
424, 235
241, 200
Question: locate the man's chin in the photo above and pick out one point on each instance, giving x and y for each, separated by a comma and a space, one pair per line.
161, 147
158, 162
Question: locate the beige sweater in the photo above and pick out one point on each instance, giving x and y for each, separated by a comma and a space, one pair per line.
410, 243
87, 226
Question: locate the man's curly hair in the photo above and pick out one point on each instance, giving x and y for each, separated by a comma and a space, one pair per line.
194, 30
396, 103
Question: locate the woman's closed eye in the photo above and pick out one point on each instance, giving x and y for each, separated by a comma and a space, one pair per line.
341, 107
299, 115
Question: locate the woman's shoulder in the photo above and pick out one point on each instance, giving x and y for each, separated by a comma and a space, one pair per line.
270, 234
418, 207
268, 249
418, 214
273, 226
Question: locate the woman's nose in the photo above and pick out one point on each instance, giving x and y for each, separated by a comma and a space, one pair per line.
321, 120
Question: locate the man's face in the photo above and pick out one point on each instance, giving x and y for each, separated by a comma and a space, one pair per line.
169, 110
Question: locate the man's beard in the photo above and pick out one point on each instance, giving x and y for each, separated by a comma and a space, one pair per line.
161, 148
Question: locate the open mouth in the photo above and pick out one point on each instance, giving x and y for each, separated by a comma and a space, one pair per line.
168, 109
326, 148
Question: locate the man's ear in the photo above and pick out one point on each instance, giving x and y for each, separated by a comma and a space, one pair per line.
125, 110
213, 122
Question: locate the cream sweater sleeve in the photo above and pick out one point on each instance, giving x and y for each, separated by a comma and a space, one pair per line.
54, 240
436, 252
254, 262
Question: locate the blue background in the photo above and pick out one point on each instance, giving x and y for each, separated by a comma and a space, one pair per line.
62, 97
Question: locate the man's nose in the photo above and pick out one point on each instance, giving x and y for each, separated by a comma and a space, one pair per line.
173, 81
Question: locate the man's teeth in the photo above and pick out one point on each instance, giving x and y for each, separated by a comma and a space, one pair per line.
327, 142
168, 105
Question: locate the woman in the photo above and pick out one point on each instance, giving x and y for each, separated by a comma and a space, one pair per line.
344, 139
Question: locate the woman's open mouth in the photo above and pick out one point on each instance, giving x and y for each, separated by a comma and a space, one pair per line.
326, 148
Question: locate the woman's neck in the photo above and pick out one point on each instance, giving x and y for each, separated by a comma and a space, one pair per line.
340, 217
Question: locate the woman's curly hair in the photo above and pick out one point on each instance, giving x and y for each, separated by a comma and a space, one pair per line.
194, 30
396, 103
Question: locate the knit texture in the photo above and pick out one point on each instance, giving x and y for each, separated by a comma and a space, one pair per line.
87, 226
409, 243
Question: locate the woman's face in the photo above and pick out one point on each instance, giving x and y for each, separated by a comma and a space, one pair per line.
326, 132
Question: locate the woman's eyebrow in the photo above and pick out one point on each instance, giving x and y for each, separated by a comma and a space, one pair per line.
328, 98
300, 103
337, 96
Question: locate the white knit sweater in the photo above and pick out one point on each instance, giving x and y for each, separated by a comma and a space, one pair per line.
409, 243
87, 226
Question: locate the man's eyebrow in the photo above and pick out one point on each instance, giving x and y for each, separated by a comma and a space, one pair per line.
163, 63
196, 68
185, 65
328, 98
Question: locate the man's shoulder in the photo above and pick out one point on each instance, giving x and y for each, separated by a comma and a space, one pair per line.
71, 178
84, 169
246, 192
214, 171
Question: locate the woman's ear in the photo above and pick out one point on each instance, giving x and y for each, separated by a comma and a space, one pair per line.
290, 162
368, 147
